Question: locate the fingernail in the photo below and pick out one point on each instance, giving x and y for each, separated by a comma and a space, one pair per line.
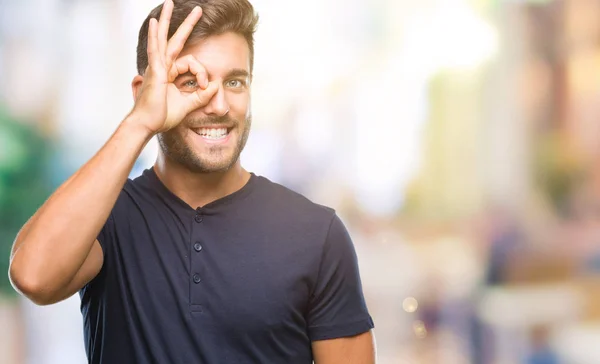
205, 84
196, 9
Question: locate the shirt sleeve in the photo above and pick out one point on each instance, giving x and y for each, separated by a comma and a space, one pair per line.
106, 234
105, 238
337, 306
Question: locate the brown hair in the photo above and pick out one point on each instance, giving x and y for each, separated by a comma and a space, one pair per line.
218, 17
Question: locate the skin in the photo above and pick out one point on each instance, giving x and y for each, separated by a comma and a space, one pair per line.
196, 170
359, 349
207, 84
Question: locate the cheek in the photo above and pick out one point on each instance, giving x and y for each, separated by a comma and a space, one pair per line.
179, 134
240, 105
188, 136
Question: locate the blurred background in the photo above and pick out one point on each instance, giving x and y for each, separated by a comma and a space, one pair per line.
458, 140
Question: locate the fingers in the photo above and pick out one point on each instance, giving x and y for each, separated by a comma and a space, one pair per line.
163, 25
152, 48
190, 64
202, 97
177, 41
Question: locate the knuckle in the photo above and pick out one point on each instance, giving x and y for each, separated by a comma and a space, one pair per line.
171, 53
202, 97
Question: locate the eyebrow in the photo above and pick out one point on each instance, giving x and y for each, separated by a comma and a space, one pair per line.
235, 72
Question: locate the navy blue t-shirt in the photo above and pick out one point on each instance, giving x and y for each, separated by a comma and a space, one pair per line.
253, 277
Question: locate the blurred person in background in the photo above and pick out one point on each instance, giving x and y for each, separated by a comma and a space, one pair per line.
542, 351
196, 260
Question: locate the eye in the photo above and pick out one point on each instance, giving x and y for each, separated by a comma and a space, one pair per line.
235, 83
190, 84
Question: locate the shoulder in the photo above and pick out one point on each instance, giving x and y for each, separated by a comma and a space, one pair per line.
286, 204
136, 190
139, 183
287, 200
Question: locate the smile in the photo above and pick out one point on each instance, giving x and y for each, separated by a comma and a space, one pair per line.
213, 133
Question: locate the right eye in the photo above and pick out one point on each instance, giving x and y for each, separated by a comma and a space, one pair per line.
190, 84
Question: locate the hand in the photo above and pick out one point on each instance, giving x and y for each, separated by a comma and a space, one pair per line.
160, 105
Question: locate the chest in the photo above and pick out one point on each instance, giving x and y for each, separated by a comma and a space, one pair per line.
238, 271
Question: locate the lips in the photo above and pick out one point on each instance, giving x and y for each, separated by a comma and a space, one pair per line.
218, 133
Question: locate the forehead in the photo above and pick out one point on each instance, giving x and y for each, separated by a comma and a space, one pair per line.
220, 53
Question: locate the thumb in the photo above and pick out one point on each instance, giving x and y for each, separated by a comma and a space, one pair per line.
201, 97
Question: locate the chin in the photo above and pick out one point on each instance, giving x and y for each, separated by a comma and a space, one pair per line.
209, 165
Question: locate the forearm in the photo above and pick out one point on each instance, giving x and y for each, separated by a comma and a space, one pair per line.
359, 349
53, 245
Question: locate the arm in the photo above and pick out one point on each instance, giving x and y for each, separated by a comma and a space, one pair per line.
56, 252
339, 324
359, 349
48, 255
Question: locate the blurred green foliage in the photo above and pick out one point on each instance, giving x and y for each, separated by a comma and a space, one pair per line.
558, 169
25, 156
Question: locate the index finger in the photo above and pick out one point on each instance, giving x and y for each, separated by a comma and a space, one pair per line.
177, 41
189, 64
163, 25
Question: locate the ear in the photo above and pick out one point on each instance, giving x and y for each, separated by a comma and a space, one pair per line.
136, 85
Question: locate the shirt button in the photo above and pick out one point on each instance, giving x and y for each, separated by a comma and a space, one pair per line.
197, 247
198, 218
197, 278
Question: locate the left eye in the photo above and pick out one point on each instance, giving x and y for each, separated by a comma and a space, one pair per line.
234, 83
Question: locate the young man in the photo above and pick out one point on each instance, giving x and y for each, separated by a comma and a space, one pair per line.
197, 260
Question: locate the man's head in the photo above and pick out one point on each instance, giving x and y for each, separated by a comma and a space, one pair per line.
211, 138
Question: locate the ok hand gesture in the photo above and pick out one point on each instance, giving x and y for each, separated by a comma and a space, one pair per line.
160, 104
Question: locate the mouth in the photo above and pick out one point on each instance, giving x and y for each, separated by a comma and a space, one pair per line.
213, 134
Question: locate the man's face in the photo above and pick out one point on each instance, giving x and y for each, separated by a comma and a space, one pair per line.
211, 138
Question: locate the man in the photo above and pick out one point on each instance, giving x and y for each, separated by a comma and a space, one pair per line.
197, 260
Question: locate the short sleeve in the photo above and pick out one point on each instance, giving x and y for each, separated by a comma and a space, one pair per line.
105, 238
337, 306
106, 235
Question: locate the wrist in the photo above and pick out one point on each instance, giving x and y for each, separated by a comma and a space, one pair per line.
133, 124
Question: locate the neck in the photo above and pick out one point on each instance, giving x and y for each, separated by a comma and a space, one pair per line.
199, 189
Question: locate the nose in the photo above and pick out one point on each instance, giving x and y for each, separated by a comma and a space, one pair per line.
218, 105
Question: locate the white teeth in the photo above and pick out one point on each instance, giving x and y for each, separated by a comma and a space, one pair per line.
213, 133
